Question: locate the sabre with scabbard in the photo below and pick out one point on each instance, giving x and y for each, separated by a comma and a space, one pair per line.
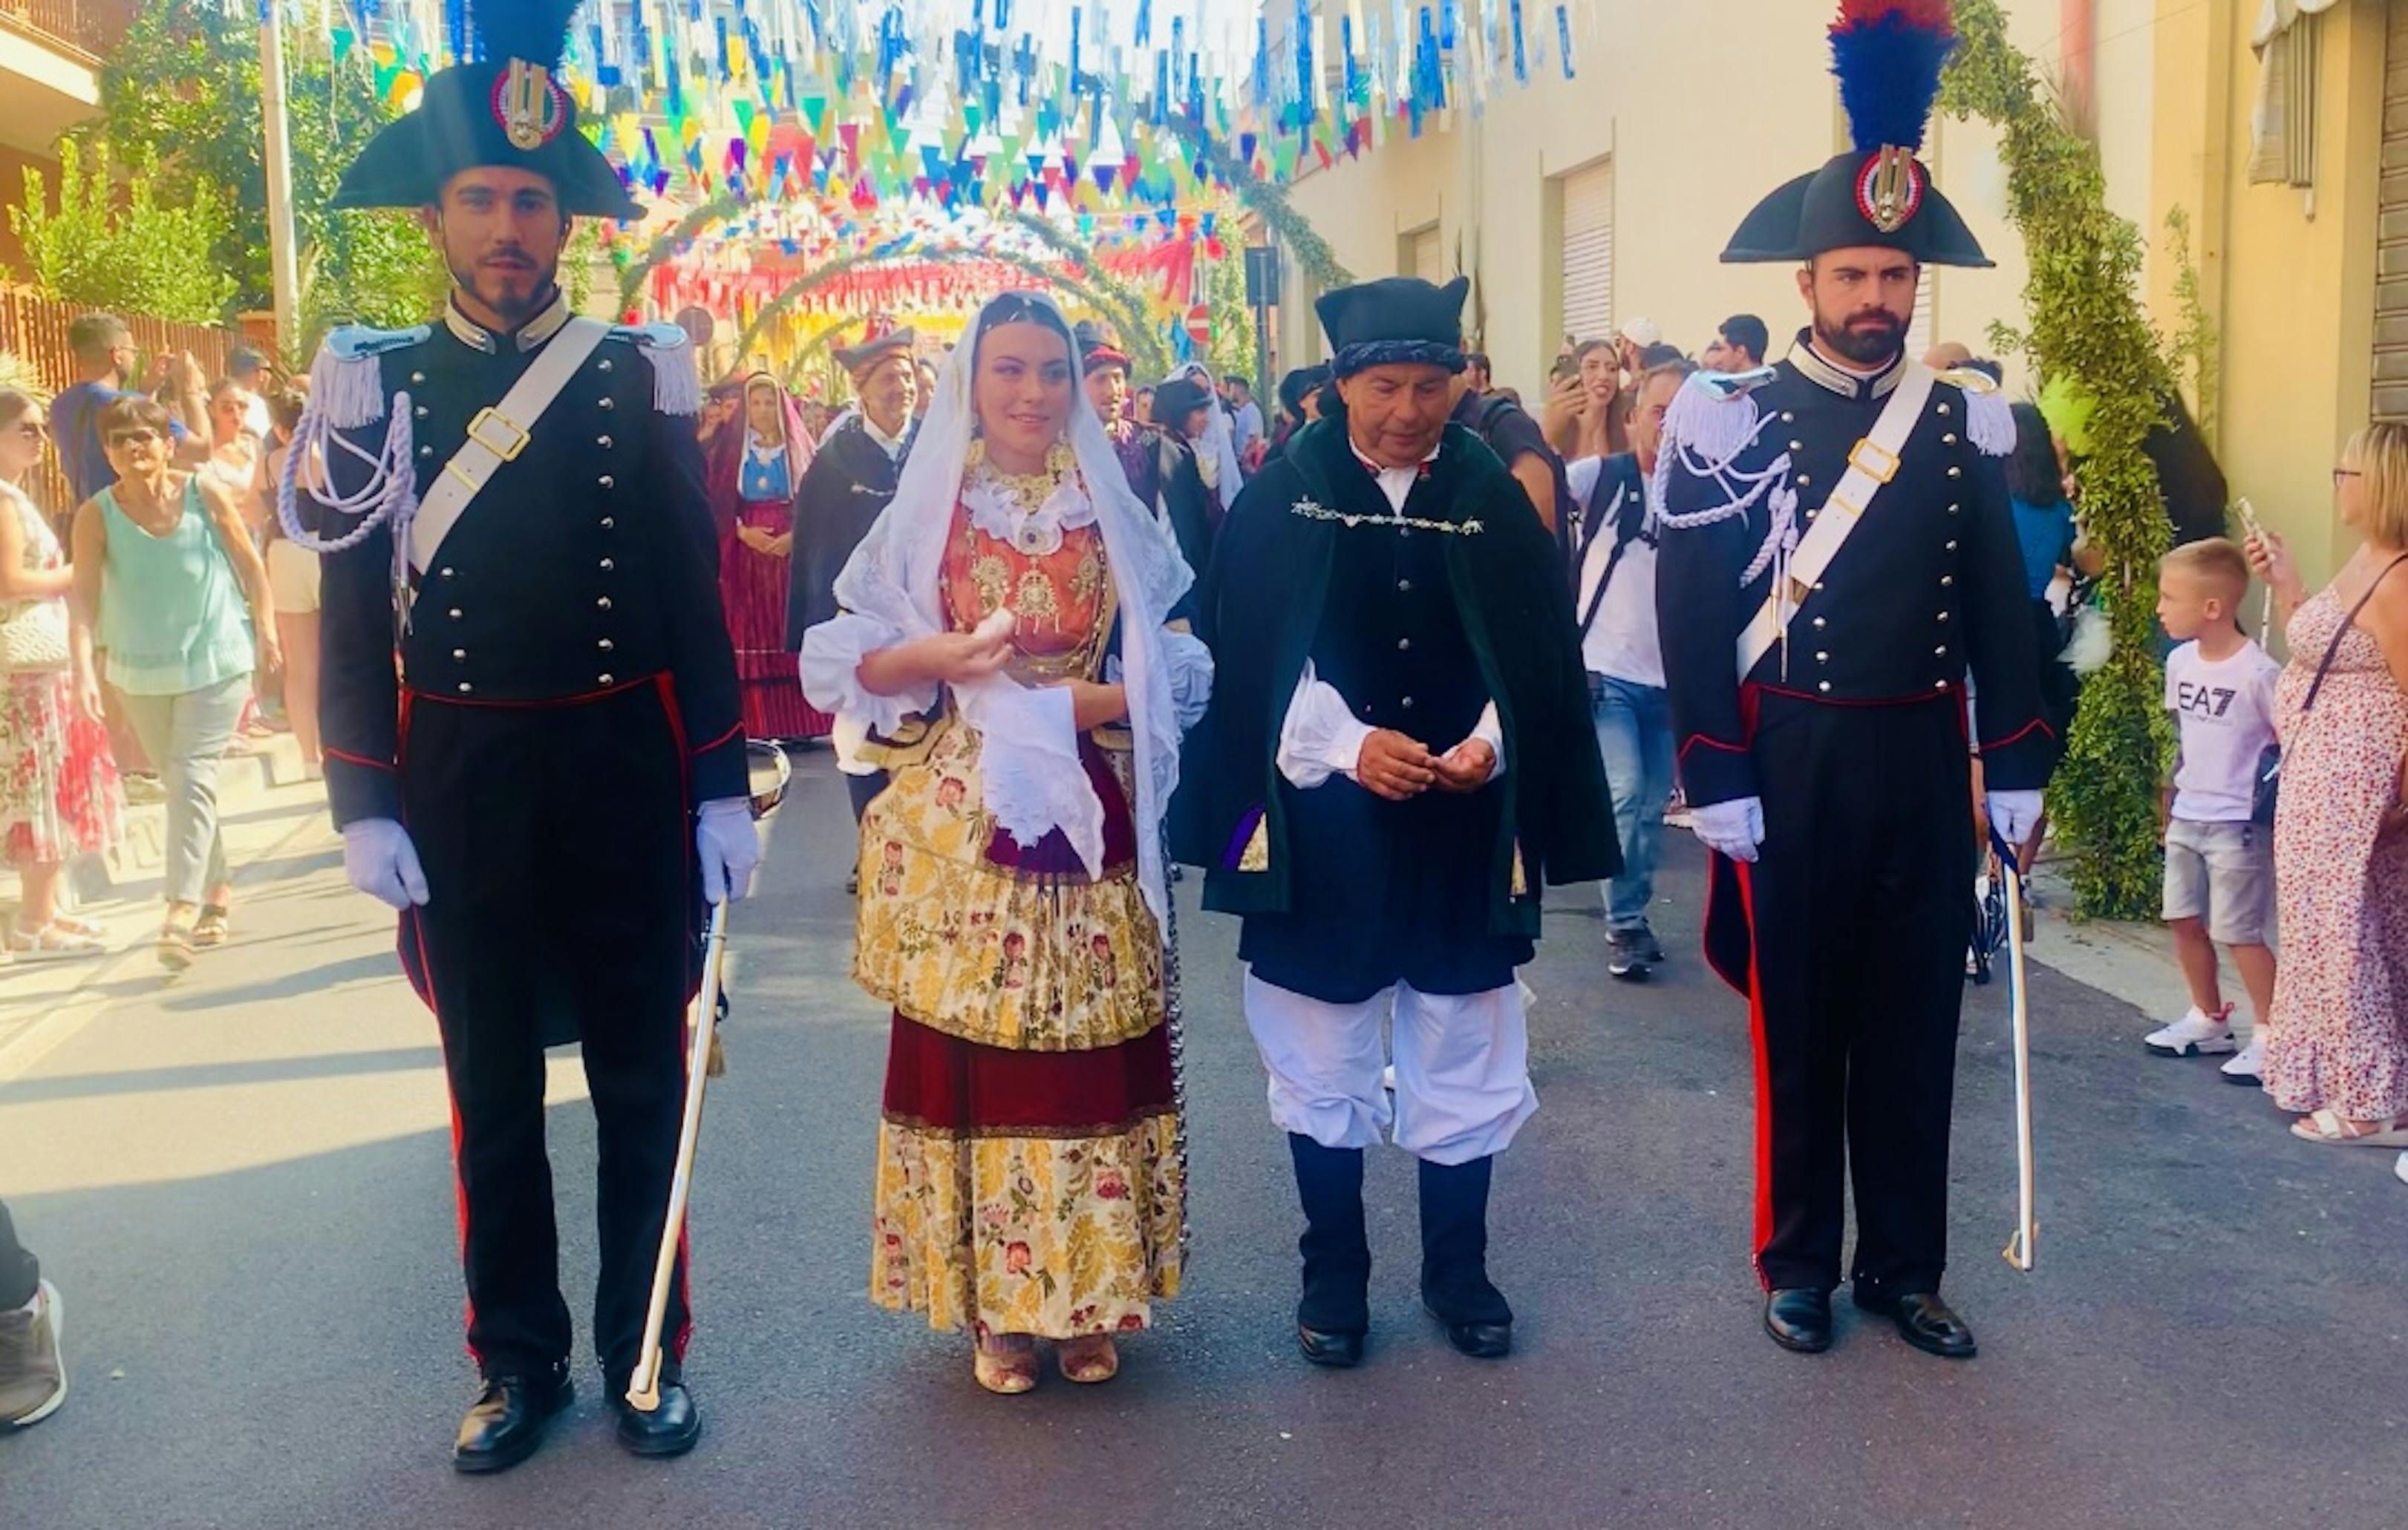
2019, 1251
770, 775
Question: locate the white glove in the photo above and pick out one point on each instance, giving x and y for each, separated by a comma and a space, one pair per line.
1732, 829
381, 861
729, 846
2012, 815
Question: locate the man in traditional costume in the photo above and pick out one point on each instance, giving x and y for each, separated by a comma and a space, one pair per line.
1838, 549
849, 482
1161, 466
1397, 760
552, 775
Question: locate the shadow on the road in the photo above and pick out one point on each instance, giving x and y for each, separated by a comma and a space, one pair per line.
257, 1070
373, 966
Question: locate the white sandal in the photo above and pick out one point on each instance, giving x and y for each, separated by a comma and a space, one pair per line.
2327, 1127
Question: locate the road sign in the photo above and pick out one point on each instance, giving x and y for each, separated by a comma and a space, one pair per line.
1199, 324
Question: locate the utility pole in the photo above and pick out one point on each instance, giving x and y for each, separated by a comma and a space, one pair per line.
282, 259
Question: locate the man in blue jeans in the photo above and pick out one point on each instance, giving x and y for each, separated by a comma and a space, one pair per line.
1615, 552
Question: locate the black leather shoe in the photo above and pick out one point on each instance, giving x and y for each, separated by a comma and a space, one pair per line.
508, 1420
1924, 1321
1799, 1319
670, 1429
1455, 1288
1336, 1310
1339, 1352
1480, 1340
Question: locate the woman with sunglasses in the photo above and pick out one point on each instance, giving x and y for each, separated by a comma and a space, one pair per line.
59, 791
167, 584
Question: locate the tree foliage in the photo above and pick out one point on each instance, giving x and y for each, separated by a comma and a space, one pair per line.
124, 252
184, 92
1233, 319
2087, 325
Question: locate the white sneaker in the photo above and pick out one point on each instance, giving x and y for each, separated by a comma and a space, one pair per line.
2400, 1169
2193, 1035
2246, 1068
1388, 1078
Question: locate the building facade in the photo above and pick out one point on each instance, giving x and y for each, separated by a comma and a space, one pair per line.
1581, 206
51, 53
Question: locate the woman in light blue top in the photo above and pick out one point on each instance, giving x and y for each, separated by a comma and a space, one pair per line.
173, 598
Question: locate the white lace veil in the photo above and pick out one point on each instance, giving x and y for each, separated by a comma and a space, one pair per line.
893, 580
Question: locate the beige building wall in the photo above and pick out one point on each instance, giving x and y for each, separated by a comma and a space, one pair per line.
1703, 107
2288, 275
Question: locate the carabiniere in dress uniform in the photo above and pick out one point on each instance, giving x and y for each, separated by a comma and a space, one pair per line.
532, 744
1839, 556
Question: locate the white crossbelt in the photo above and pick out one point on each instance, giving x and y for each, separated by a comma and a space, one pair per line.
499, 434
1872, 463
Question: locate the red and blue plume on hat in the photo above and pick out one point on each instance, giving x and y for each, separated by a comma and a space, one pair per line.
1888, 55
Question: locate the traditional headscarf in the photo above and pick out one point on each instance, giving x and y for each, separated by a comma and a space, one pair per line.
890, 593
1219, 440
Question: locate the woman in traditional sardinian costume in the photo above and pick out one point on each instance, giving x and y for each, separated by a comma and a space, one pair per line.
1004, 633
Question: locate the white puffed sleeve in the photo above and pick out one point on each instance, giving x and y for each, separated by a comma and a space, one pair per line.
831, 670
1322, 737
1188, 666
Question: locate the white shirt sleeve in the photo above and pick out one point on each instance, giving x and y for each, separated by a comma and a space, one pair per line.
1322, 737
1491, 731
1580, 475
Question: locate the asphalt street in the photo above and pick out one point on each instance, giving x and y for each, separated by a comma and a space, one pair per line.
241, 1181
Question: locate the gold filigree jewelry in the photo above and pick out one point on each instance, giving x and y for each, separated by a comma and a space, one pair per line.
1314, 511
1026, 492
1036, 601
992, 576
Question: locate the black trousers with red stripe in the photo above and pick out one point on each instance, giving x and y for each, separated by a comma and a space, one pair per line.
1855, 918
560, 877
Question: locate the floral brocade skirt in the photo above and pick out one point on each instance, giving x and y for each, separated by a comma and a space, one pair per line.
1028, 1179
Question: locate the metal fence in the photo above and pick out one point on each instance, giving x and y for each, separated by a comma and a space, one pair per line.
34, 330
93, 26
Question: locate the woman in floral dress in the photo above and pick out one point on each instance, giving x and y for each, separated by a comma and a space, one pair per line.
1005, 637
2337, 1040
59, 794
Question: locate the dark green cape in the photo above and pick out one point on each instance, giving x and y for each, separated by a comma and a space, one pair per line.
1259, 609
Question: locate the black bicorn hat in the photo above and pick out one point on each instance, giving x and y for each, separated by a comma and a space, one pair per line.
1396, 319
1888, 55
508, 109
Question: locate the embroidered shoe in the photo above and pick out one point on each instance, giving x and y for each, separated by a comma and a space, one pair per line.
2195, 1034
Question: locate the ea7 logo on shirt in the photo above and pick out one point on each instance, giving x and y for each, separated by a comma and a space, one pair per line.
2205, 700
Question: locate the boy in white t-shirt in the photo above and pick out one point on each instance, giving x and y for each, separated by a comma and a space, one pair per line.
2219, 863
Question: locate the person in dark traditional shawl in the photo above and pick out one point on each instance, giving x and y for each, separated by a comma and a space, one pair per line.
1397, 759
848, 483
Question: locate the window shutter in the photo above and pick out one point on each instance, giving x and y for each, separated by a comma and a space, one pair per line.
1588, 252
2391, 222
1919, 337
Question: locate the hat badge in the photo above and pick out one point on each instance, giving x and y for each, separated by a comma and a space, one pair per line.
530, 104
1889, 188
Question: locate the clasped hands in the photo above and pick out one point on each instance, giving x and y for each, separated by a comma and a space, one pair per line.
1396, 768
964, 658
